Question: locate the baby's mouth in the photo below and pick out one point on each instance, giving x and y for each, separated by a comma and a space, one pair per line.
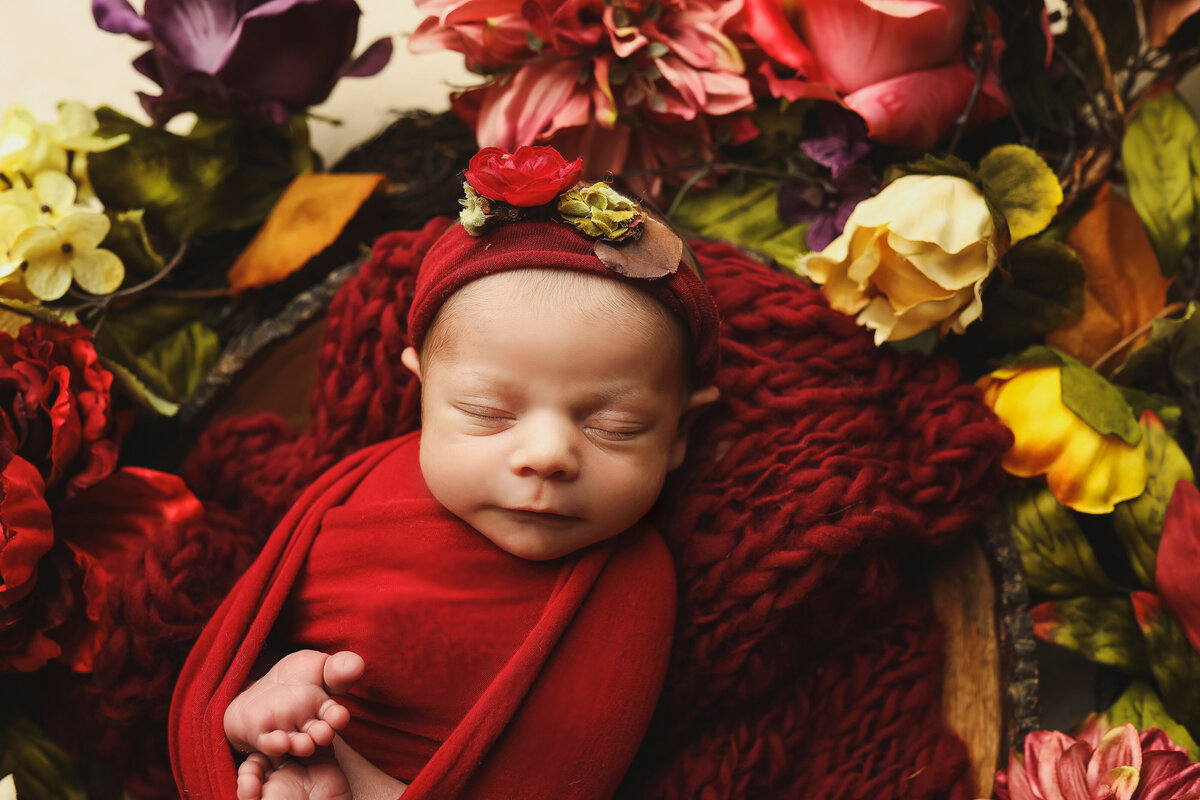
541, 515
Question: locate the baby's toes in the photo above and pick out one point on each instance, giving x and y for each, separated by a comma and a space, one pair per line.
335, 714
320, 732
250, 776
273, 743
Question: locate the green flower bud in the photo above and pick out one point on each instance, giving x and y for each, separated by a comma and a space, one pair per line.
474, 215
600, 212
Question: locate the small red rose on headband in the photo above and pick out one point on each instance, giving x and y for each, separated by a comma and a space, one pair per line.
532, 176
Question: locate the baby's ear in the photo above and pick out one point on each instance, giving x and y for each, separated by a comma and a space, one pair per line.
696, 403
410, 359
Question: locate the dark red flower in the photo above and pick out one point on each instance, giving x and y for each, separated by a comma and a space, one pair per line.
532, 176
51, 596
56, 406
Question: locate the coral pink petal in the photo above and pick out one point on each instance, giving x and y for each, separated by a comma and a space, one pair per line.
1072, 773
862, 42
1043, 751
1157, 739
1119, 748
1178, 566
793, 89
726, 93
477, 10
1169, 776
770, 28
914, 110
521, 111
1019, 787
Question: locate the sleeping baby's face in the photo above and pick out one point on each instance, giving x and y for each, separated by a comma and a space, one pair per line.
551, 408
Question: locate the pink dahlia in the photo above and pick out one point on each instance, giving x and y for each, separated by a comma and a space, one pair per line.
1101, 763
628, 85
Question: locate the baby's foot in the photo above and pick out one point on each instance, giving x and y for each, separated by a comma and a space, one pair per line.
315, 779
289, 710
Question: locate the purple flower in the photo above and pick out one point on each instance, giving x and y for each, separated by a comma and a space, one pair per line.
837, 138
826, 204
262, 57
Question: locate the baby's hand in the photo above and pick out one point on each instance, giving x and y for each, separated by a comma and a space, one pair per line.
316, 779
289, 710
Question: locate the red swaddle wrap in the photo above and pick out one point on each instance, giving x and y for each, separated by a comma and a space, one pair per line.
559, 663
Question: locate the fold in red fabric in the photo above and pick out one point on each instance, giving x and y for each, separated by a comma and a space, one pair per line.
487, 676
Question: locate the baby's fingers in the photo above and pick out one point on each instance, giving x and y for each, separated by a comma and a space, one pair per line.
250, 776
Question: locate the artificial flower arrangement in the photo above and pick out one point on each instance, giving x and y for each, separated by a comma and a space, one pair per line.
1015, 185
102, 312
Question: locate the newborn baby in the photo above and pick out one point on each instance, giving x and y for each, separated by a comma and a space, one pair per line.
519, 611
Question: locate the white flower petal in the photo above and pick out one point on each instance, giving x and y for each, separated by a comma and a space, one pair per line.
98, 272
85, 230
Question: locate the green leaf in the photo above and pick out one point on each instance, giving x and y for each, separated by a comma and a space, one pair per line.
1173, 349
1038, 355
38, 311
1039, 290
1055, 554
1023, 187
749, 218
1098, 403
1101, 629
129, 240
164, 343
1156, 151
1139, 522
1141, 706
1176, 666
223, 175
137, 390
1165, 408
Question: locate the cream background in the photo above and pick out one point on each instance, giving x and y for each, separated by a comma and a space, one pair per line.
51, 50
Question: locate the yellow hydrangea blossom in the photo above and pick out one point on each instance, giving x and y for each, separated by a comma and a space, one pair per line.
1085, 470
53, 255
29, 147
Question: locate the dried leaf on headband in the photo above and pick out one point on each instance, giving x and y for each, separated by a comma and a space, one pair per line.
654, 255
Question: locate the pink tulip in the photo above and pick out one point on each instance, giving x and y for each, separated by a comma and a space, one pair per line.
897, 63
1101, 763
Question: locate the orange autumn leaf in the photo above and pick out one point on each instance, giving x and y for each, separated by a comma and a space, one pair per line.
308, 217
1124, 288
1165, 18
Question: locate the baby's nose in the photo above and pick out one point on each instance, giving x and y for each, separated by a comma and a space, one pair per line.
546, 450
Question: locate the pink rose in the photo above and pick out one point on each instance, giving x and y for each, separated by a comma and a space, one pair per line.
897, 63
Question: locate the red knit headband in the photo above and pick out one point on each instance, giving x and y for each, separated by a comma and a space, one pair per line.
458, 257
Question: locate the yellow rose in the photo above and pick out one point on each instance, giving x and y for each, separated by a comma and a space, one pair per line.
911, 258
1085, 470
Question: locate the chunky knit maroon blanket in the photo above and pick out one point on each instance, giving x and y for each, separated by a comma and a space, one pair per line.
807, 661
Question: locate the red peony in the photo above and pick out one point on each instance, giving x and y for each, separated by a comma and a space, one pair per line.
532, 176
50, 598
56, 407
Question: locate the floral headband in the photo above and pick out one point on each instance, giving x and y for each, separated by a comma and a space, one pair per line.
527, 210
538, 183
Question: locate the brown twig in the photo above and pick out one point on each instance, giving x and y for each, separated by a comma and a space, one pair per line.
1101, 50
1167, 311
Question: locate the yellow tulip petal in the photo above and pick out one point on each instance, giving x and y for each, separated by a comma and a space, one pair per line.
48, 278
84, 230
98, 271
1085, 470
